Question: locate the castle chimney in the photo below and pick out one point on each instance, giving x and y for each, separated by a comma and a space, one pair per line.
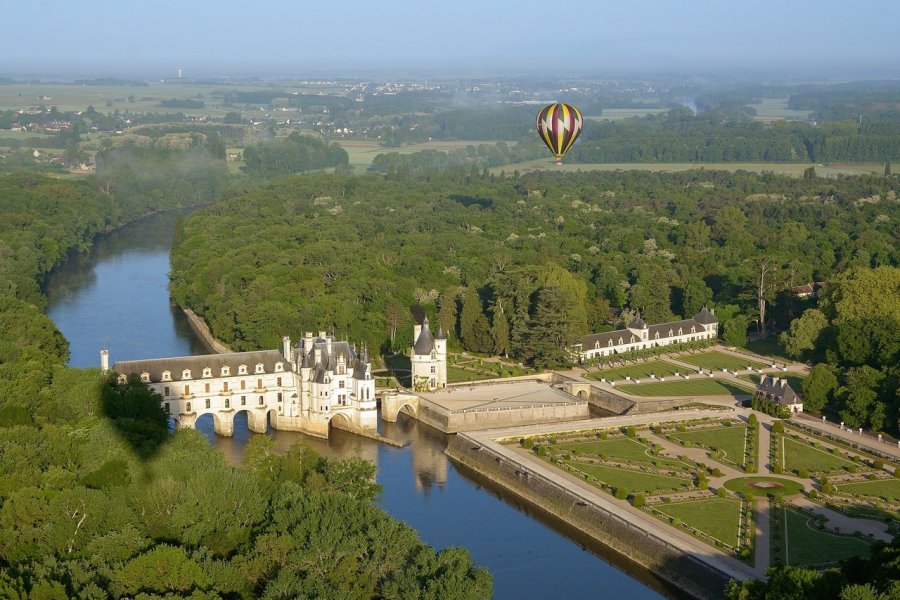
286, 347
104, 360
328, 345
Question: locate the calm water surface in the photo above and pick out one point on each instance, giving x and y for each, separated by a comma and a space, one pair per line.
117, 298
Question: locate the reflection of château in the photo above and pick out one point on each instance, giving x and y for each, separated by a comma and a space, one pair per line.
305, 388
638, 335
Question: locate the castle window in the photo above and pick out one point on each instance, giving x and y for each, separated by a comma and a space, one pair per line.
341, 384
693, 329
168, 410
227, 402
433, 369
279, 396
243, 400
167, 375
187, 407
186, 374
609, 344
207, 372
243, 384
260, 400
166, 391
279, 367
341, 369
327, 380
656, 336
259, 368
187, 390
224, 386
278, 382
242, 370
680, 332
206, 389
597, 344
631, 341
433, 355
207, 403
259, 384
226, 371
145, 377
620, 339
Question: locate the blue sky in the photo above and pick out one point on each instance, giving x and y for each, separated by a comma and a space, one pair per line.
451, 36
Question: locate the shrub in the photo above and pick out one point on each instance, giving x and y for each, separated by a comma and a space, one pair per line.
750, 467
752, 420
777, 427
878, 464
778, 497
676, 521
554, 441
721, 492
541, 450
871, 477
813, 494
897, 472
621, 493
638, 501
827, 488
777, 470
803, 473
528, 443
717, 472
630, 431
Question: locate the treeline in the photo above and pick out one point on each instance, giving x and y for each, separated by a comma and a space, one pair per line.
295, 154
427, 162
182, 103
854, 335
477, 251
682, 136
98, 499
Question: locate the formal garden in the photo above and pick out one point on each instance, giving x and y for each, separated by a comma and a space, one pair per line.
717, 361
701, 386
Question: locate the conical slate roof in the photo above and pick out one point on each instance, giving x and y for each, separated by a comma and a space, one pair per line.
637, 323
424, 344
705, 317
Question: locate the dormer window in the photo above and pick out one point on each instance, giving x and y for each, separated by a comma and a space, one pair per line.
327, 380
680, 332
207, 372
242, 370
341, 369
656, 336
620, 339
259, 368
167, 375
186, 374
279, 367
226, 371
670, 333
609, 345
631, 341
145, 377
123, 379
693, 329
433, 355
597, 344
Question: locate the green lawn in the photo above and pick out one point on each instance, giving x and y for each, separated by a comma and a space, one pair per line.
763, 486
685, 387
798, 455
660, 368
769, 347
807, 545
634, 481
884, 488
731, 440
719, 360
716, 517
455, 375
621, 448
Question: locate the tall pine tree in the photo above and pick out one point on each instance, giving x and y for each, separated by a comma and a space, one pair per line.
474, 331
500, 330
550, 332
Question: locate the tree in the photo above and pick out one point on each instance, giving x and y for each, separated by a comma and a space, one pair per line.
819, 387
474, 331
859, 394
735, 331
887, 169
550, 334
804, 333
500, 330
447, 313
696, 295
393, 316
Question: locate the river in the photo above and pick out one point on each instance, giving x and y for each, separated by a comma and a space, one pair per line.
117, 297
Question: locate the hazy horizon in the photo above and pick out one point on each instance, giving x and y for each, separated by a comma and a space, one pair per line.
813, 40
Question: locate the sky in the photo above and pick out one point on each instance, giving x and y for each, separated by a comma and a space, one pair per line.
455, 37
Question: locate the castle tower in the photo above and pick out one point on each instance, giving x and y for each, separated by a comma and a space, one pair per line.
428, 359
104, 360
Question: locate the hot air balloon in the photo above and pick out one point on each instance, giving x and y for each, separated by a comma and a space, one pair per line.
559, 125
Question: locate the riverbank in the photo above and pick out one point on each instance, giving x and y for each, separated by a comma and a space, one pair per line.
685, 563
199, 326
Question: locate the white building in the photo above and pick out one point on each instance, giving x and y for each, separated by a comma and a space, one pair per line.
428, 358
295, 389
638, 335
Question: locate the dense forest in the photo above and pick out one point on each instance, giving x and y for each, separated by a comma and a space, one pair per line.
714, 136
478, 252
294, 154
98, 499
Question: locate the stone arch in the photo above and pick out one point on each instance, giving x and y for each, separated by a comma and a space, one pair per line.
340, 421
408, 409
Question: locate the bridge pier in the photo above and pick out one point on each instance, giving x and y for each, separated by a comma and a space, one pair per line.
186, 421
256, 420
393, 402
223, 423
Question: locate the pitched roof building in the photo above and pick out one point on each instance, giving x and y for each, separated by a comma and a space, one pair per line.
779, 391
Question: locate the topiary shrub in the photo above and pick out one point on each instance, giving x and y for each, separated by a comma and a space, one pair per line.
630, 431
777, 427
878, 464
638, 501
721, 492
827, 488
813, 494
528, 443
777, 470
803, 473
621, 493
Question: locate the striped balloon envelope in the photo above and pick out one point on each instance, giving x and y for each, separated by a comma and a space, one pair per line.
559, 125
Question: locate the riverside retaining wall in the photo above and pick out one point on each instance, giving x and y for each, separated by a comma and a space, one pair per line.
670, 562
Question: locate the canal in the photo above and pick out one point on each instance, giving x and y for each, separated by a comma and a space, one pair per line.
117, 298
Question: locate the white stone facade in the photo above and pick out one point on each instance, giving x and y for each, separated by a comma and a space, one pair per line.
428, 358
639, 336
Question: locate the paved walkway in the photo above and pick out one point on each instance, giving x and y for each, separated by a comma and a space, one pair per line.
763, 524
842, 522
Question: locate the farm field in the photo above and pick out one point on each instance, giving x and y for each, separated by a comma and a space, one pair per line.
716, 517
798, 455
730, 440
806, 545
621, 448
634, 481
363, 152
776, 109
884, 488
718, 361
791, 169
687, 387
617, 114
660, 368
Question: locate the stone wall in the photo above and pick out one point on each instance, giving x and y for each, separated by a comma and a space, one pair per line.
670, 562
472, 419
